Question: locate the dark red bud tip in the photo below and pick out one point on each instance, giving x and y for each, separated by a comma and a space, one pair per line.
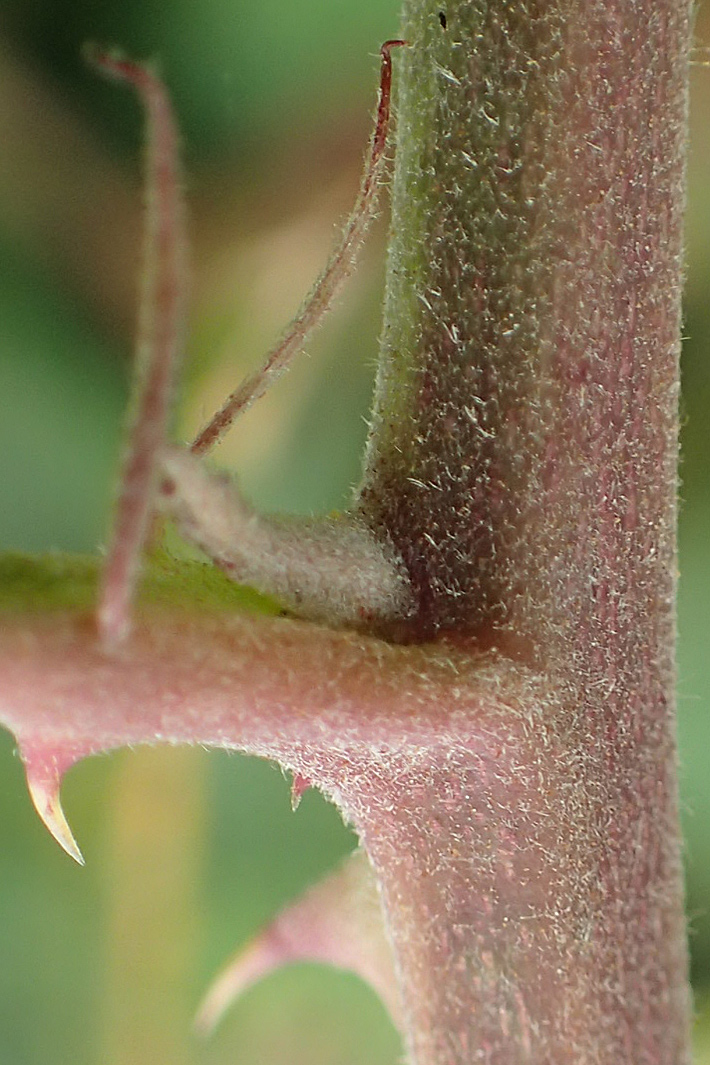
389, 45
114, 64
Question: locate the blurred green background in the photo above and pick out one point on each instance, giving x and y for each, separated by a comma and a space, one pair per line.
188, 853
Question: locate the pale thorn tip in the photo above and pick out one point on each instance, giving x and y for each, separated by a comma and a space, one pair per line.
337, 922
249, 966
48, 805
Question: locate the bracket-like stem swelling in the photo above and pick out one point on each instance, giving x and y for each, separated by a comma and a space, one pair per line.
330, 569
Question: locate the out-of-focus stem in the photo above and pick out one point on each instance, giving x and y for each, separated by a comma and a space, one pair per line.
157, 348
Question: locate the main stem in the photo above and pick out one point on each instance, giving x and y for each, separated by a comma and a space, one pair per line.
523, 461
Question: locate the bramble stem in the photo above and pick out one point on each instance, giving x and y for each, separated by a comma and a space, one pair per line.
162, 306
320, 300
523, 461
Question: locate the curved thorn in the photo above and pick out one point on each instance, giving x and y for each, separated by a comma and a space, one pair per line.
44, 793
337, 922
299, 786
251, 965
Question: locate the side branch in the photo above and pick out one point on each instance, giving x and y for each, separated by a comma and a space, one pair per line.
162, 304
320, 300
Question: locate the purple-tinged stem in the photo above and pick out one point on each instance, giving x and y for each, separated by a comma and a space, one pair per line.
327, 287
513, 780
523, 462
160, 329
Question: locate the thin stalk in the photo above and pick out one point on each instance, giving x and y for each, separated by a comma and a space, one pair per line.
158, 346
336, 273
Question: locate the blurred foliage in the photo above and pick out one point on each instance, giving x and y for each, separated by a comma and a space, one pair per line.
273, 100
236, 69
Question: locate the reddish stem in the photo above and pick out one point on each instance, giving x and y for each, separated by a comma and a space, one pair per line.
158, 343
319, 302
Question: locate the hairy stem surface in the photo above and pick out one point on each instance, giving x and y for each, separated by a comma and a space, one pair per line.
523, 462
511, 771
